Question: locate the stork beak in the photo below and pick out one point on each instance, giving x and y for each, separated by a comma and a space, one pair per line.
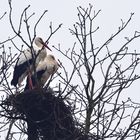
46, 46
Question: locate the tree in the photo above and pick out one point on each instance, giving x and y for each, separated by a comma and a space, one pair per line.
93, 108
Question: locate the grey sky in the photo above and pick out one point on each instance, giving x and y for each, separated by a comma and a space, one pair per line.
64, 11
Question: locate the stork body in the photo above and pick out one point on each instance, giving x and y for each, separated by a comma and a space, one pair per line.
24, 64
44, 70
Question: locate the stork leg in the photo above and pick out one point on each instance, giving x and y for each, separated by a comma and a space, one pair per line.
17, 91
30, 81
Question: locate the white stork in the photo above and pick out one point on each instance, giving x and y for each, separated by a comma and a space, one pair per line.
24, 64
44, 70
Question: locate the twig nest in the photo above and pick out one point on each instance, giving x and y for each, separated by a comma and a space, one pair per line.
47, 116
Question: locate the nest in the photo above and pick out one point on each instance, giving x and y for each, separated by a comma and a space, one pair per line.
47, 116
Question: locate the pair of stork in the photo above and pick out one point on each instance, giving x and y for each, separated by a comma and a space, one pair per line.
44, 65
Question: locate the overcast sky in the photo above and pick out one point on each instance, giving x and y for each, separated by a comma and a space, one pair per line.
65, 11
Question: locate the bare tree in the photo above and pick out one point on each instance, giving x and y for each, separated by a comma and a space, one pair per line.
100, 106
91, 107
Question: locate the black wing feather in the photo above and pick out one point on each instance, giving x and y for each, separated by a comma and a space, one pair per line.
19, 70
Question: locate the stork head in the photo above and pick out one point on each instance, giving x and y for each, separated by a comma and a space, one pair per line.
52, 58
40, 43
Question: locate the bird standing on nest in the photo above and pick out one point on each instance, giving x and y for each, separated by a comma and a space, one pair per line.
44, 70
27, 60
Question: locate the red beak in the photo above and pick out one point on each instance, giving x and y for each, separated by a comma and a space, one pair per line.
46, 46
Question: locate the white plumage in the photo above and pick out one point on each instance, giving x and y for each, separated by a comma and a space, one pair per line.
44, 70
24, 64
